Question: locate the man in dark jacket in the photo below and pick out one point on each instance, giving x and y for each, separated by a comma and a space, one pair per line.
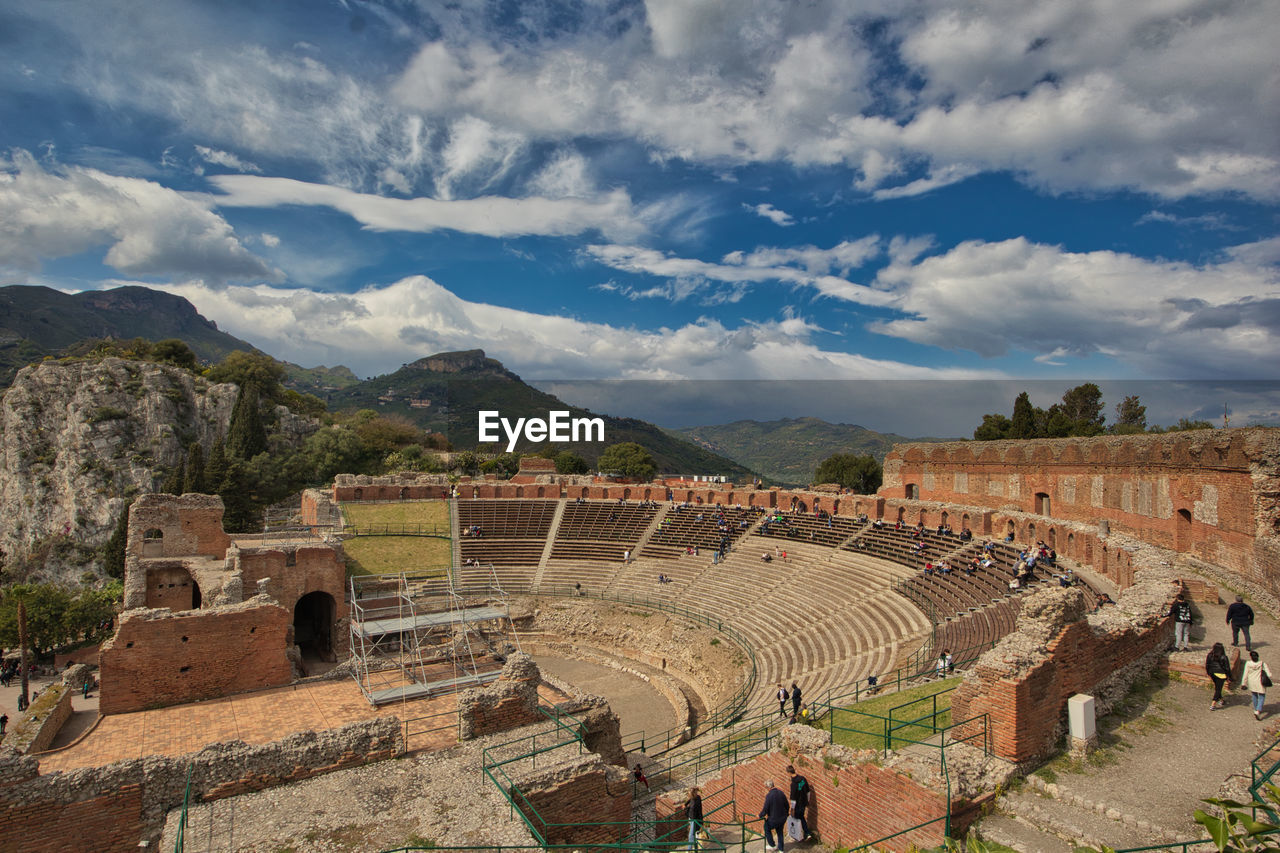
774, 814
1181, 613
799, 799
1240, 617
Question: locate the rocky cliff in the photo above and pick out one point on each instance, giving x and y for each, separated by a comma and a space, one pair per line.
78, 440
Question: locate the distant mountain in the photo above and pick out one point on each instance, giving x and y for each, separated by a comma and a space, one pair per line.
788, 451
445, 392
318, 380
40, 321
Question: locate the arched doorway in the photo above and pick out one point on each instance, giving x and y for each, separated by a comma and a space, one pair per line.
1182, 532
911, 492
1043, 506
313, 626
902, 513
1053, 538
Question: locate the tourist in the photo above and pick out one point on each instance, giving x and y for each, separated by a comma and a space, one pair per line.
774, 814
799, 800
1240, 618
1181, 613
1256, 678
639, 774
4, 723
1218, 668
693, 811
795, 699
944, 663
782, 700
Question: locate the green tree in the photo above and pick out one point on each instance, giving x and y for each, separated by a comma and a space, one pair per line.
628, 459
194, 480
861, 473
568, 462
382, 434
251, 369
465, 462
238, 496
216, 468
46, 606
89, 610
336, 450
174, 351
1082, 406
246, 434
173, 483
994, 427
1131, 417
1187, 423
1023, 422
113, 549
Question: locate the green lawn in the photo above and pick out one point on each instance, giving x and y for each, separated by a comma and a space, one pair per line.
376, 555
862, 726
409, 512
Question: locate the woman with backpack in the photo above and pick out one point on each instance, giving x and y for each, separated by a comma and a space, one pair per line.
1256, 679
693, 811
1218, 668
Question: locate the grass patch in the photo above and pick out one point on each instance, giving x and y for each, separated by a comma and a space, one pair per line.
395, 512
862, 726
378, 555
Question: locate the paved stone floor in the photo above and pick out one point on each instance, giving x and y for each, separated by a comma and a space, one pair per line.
258, 717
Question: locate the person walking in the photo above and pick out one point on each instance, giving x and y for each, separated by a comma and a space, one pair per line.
1181, 613
1256, 678
693, 810
774, 815
799, 799
795, 700
4, 723
1240, 618
782, 700
1218, 667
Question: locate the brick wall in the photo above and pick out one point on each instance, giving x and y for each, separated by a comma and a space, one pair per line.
1023, 684
1206, 492
579, 801
169, 587
508, 703
37, 728
158, 658
848, 805
189, 525
111, 809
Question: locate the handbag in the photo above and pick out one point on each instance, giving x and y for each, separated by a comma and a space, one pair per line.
794, 829
1266, 678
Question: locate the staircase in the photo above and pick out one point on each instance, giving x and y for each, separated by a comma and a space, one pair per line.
551, 539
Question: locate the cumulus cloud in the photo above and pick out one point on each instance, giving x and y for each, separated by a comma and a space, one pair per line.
806, 266
421, 317
768, 211
1164, 318
491, 216
149, 229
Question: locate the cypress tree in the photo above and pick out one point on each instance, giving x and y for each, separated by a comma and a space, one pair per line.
113, 550
246, 435
1023, 422
172, 484
195, 479
215, 470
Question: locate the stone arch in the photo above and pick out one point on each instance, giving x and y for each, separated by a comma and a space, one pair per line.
626, 494
313, 618
964, 521
911, 492
1011, 528
1031, 532
943, 518
1052, 539
1182, 531
902, 513
1071, 544
172, 587
404, 493
358, 494
542, 491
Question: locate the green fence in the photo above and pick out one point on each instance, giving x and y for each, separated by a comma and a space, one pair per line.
440, 531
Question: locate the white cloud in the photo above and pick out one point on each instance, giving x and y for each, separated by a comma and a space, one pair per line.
1162, 318
225, 159
149, 229
807, 266
421, 317
491, 216
768, 211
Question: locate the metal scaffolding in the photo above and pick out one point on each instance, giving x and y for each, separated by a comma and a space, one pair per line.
409, 630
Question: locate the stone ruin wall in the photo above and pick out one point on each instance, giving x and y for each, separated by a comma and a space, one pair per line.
855, 796
112, 808
1023, 684
1212, 494
159, 658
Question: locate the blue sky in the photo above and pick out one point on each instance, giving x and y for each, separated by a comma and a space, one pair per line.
673, 189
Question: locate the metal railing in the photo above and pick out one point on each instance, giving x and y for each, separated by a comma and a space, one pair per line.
179, 843
438, 530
